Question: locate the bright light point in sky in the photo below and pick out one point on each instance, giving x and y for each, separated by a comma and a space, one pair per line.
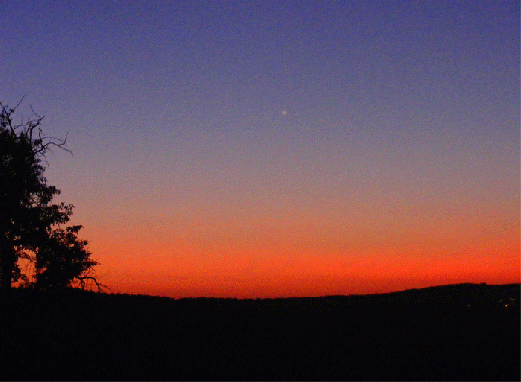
284, 112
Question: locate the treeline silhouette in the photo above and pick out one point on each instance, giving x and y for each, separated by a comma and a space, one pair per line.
455, 332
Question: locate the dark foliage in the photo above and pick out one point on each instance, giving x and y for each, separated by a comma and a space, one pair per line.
458, 332
31, 226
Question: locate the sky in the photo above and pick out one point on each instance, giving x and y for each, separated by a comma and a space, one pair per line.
258, 149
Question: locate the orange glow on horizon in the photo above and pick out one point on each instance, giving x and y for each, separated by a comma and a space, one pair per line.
266, 275
245, 251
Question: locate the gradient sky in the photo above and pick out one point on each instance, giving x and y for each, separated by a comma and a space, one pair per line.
279, 148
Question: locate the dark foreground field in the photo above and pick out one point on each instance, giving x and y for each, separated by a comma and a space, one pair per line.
459, 332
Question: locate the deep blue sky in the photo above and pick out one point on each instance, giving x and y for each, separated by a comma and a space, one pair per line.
344, 127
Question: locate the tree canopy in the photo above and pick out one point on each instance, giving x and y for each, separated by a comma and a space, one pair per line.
32, 227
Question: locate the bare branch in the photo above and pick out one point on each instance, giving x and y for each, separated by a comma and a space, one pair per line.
30, 129
98, 284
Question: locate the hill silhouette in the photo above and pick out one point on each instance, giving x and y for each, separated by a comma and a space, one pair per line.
452, 332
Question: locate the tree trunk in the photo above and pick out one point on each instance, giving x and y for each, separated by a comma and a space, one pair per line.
7, 261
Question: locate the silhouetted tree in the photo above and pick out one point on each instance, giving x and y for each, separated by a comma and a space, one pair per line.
31, 226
